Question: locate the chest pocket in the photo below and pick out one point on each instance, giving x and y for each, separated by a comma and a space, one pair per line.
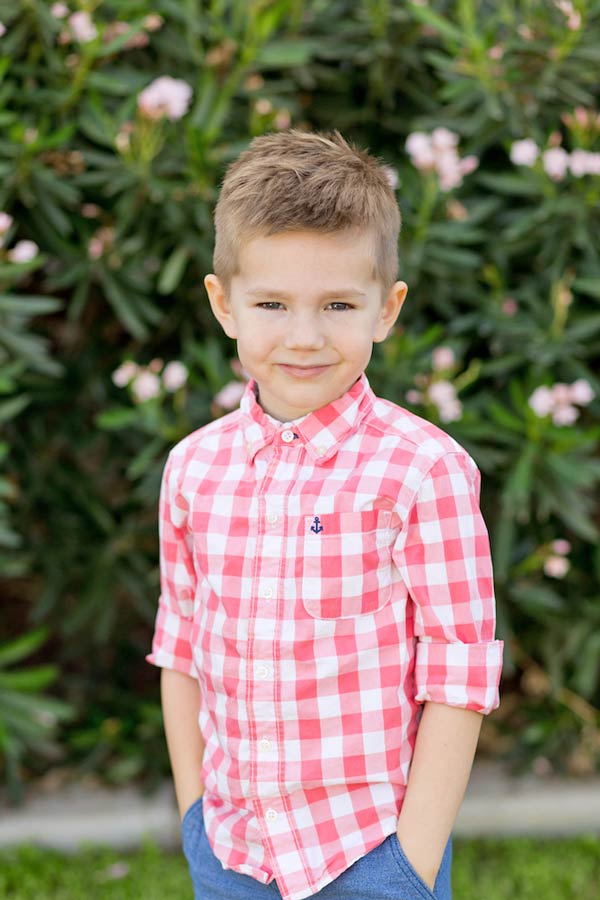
345, 560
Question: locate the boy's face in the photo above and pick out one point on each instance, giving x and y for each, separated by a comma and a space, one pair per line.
305, 312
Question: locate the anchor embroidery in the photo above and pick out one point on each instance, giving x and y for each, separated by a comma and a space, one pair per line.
316, 526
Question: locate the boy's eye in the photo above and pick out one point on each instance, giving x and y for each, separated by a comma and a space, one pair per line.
269, 304
340, 305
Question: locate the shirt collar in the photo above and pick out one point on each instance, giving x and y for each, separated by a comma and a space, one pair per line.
321, 431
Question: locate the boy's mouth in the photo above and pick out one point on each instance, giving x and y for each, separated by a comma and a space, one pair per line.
303, 371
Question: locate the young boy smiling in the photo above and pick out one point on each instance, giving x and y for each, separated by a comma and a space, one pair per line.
326, 620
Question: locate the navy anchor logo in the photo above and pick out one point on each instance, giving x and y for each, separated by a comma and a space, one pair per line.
316, 526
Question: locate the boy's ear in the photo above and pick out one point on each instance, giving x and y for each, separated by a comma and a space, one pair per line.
390, 310
220, 305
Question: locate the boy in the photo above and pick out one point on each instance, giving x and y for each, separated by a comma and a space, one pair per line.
326, 619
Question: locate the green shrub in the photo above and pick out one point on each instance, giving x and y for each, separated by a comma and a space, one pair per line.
498, 247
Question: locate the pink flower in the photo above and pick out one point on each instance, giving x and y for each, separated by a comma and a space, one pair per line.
82, 27
2, 29
145, 386
95, 248
418, 146
5, 223
438, 152
90, 210
541, 401
153, 22
283, 119
468, 164
450, 412
561, 547
556, 162
524, 153
510, 306
174, 376
564, 414
23, 252
100, 241
125, 373
263, 106
593, 163
556, 566
230, 395
573, 16
526, 32
442, 358
583, 163
581, 392
414, 396
165, 96
59, 10
443, 139
559, 399
561, 393
443, 395
496, 52
155, 365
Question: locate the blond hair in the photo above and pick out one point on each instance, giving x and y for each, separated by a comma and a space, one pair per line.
294, 180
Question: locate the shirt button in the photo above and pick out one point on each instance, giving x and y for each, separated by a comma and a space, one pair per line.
321, 450
268, 593
264, 745
287, 436
271, 815
271, 518
262, 671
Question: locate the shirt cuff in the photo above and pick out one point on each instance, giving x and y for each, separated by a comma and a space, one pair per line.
457, 674
171, 648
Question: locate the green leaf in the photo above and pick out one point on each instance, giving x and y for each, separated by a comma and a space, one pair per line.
18, 648
517, 487
28, 304
30, 680
505, 418
116, 418
589, 286
10, 409
279, 54
173, 269
122, 305
439, 23
509, 184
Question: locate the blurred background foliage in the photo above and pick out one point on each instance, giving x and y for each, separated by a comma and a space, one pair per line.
487, 116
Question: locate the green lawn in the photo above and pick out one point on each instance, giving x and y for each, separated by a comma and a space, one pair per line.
512, 869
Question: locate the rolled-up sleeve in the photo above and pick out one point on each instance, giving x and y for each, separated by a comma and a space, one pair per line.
443, 555
171, 647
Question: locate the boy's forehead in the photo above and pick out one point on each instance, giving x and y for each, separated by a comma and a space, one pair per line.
344, 260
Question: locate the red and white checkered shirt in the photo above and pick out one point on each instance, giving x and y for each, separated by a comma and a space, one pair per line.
321, 580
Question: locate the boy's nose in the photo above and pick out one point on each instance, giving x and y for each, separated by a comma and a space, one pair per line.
304, 333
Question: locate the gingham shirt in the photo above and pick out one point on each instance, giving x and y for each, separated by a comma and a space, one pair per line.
321, 579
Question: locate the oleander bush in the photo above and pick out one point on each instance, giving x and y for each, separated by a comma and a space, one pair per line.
117, 120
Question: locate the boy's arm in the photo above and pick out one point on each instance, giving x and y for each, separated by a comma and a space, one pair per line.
439, 772
180, 698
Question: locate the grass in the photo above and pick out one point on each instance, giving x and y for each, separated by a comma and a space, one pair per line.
507, 869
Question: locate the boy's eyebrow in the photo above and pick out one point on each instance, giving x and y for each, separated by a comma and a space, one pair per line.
341, 292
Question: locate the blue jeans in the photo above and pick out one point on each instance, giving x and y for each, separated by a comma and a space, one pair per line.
382, 874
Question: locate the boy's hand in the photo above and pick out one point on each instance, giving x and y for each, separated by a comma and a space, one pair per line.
439, 772
422, 867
